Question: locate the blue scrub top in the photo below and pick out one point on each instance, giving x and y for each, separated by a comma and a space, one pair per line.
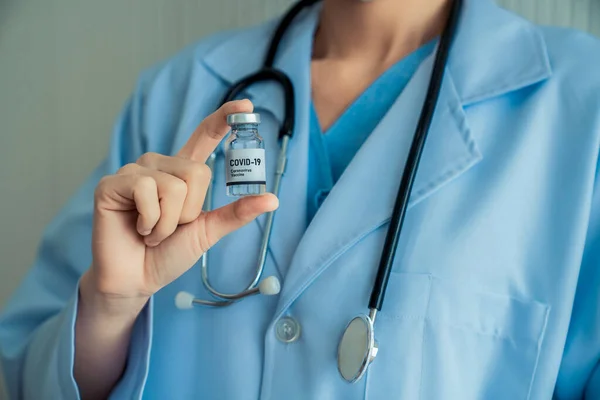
331, 151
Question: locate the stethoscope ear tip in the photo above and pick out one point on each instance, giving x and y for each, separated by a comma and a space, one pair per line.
184, 300
269, 286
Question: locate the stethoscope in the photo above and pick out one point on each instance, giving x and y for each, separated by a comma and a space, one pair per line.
357, 347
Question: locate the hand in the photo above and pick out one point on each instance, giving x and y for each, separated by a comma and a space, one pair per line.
149, 227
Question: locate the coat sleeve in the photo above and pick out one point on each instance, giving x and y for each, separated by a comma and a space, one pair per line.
579, 376
37, 326
585, 338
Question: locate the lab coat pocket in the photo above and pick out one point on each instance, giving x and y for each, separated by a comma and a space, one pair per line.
479, 345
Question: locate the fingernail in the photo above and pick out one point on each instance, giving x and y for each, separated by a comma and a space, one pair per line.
145, 233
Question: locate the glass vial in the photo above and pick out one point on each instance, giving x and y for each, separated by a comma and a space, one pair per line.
244, 156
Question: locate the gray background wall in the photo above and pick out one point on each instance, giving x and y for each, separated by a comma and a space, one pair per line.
66, 68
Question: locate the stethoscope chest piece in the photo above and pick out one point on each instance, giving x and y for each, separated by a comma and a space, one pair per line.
357, 348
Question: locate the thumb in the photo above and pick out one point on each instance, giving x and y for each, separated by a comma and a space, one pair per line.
224, 220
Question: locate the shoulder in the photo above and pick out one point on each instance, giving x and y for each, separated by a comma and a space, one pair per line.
574, 58
179, 67
174, 95
570, 42
570, 98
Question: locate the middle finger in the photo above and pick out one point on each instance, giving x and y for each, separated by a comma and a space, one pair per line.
195, 174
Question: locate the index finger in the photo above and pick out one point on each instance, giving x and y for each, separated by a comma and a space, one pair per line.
211, 131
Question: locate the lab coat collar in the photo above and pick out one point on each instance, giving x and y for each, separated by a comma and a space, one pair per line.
494, 52
242, 55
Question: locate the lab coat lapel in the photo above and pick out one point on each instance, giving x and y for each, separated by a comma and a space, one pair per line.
493, 53
240, 57
363, 198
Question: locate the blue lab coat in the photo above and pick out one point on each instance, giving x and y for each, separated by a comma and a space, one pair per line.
495, 290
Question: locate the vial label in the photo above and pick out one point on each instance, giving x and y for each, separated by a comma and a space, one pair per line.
245, 167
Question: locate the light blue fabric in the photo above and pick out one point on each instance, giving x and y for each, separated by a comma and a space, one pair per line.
331, 152
495, 291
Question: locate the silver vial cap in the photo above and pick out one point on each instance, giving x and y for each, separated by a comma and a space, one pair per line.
243, 118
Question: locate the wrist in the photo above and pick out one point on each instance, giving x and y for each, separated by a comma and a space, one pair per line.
108, 305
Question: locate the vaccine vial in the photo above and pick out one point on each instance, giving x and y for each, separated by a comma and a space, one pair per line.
244, 156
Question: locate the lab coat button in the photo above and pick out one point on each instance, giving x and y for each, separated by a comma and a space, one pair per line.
287, 330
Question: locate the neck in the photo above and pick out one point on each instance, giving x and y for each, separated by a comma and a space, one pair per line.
381, 30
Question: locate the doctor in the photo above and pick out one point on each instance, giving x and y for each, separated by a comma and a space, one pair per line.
495, 289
